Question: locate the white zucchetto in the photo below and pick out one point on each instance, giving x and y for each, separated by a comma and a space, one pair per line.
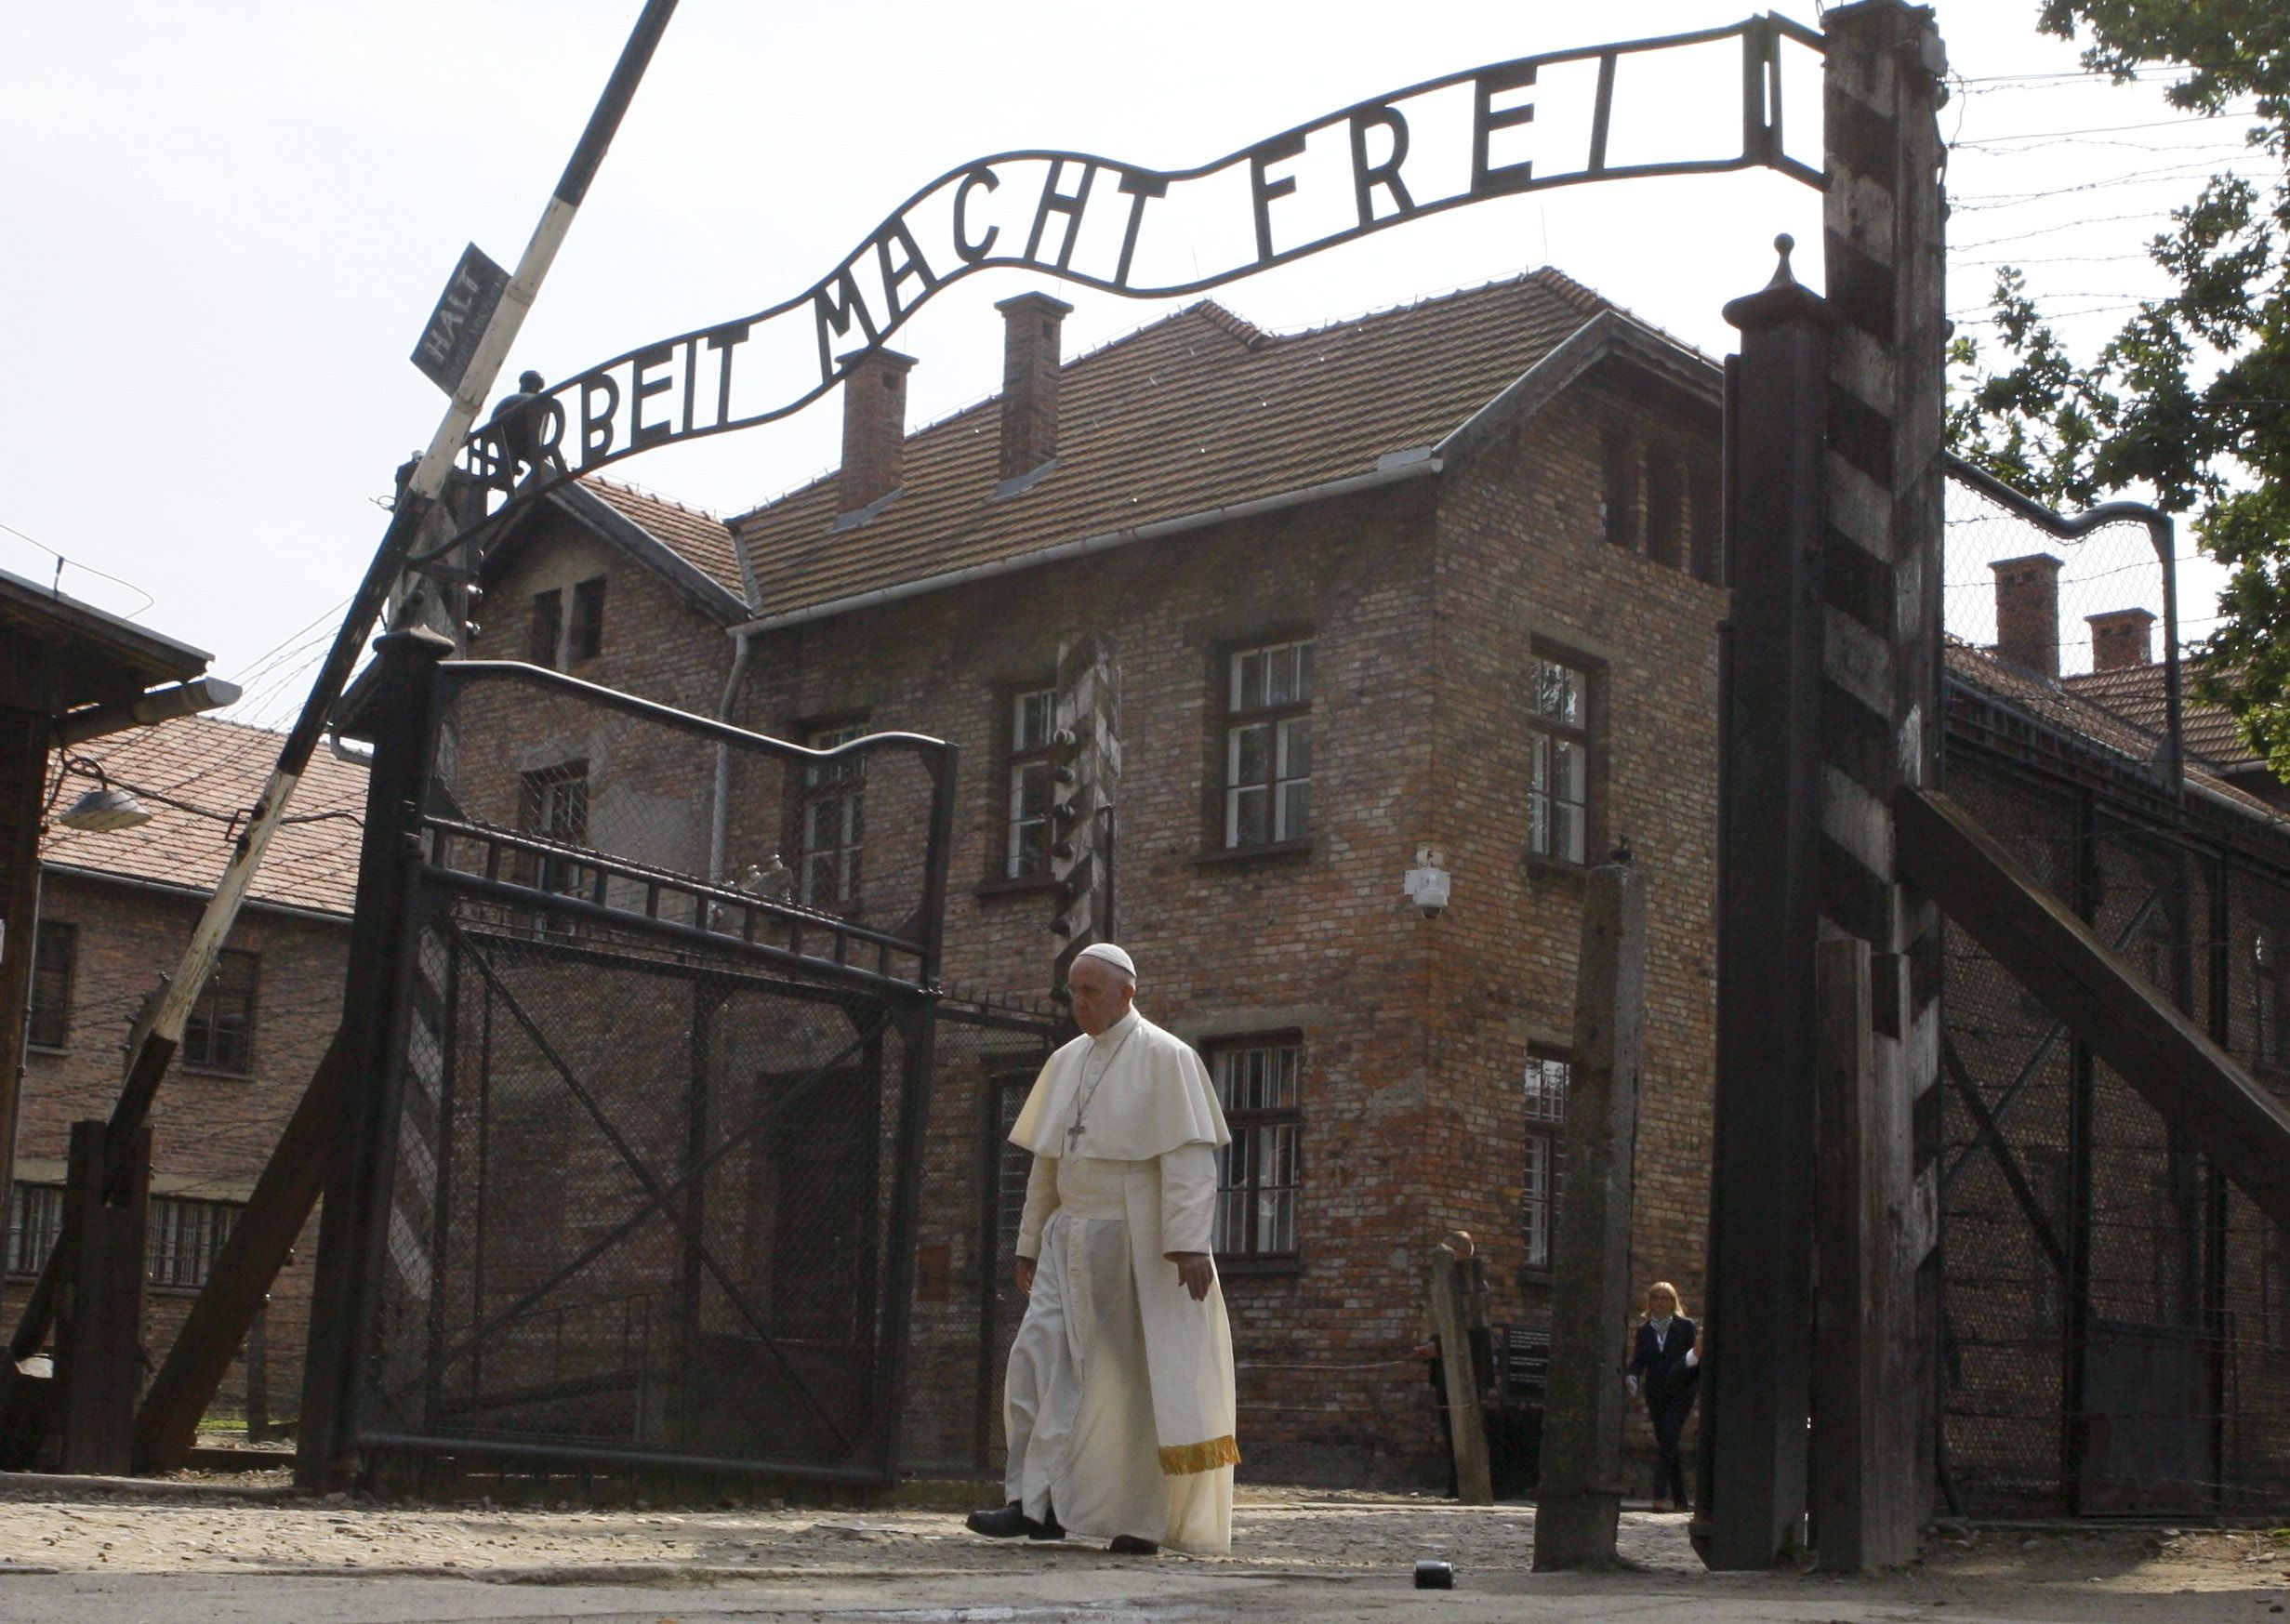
1111, 955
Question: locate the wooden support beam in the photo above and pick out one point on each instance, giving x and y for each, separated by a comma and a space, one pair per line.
1865, 1513
230, 1304
1577, 1506
99, 1339
1452, 1313
24, 788
2129, 1024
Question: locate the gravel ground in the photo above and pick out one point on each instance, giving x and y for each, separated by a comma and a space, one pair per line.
214, 1528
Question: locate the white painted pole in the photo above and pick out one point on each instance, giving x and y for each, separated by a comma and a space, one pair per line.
153, 1042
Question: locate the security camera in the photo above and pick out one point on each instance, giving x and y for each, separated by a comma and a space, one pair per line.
1426, 883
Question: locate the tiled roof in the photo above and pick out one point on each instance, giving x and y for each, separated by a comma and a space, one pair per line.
701, 539
2069, 706
219, 767
1198, 411
2135, 693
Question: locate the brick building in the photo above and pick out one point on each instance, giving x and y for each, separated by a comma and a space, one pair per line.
117, 910
1439, 583
2125, 674
1440, 577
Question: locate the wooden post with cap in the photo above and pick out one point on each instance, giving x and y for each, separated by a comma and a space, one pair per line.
1578, 1504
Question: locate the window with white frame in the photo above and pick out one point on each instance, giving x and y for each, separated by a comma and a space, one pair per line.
35, 1219
1025, 843
1268, 744
1558, 764
219, 1032
831, 821
1545, 1173
1257, 1181
185, 1238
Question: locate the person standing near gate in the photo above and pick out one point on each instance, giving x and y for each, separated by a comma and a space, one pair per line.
1665, 1367
1119, 1400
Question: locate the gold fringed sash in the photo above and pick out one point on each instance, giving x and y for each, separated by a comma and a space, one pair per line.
1184, 1460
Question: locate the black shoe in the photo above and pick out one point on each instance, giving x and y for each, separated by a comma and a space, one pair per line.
1008, 1522
1129, 1545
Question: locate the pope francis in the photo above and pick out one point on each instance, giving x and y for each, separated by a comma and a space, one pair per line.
1119, 1400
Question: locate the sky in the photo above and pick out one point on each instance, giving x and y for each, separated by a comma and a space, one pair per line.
228, 222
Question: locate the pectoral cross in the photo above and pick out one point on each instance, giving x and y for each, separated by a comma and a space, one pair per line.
1073, 1137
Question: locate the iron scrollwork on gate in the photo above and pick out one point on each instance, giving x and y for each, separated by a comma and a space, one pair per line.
1514, 126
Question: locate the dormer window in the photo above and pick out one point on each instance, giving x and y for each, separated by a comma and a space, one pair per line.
561, 642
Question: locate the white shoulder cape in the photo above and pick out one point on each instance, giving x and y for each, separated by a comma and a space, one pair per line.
1153, 1098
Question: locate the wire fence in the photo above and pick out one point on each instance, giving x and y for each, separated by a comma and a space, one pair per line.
2114, 1337
656, 1143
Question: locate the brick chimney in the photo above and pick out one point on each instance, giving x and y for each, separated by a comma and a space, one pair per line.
874, 427
1030, 324
2119, 638
2028, 613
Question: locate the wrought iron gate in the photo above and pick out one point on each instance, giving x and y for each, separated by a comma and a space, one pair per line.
647, 1144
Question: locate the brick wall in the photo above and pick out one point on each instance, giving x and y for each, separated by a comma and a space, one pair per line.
1426, 602
212, 1132
1522, 571
1316, 942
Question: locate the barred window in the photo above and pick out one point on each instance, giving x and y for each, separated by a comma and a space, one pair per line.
831, 821
1559, 768
1545, 1172
1025, 848
220, 1034
553, 803
35, 1219
185, 1238
1268, 744
1257, 1181
55, 947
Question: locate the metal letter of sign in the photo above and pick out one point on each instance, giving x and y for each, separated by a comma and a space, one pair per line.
459, 319
1486, 133
1087, 771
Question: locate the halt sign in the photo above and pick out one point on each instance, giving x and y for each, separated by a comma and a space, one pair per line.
450, 339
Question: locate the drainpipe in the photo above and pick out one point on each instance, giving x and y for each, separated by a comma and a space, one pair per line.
720, 816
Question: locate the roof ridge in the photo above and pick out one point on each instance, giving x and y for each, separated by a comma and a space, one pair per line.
648, 494
1584, 298
1229, 322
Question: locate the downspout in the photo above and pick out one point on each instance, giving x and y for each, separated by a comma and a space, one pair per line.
720, 813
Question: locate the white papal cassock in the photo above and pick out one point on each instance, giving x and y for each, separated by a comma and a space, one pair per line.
1119, 1398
